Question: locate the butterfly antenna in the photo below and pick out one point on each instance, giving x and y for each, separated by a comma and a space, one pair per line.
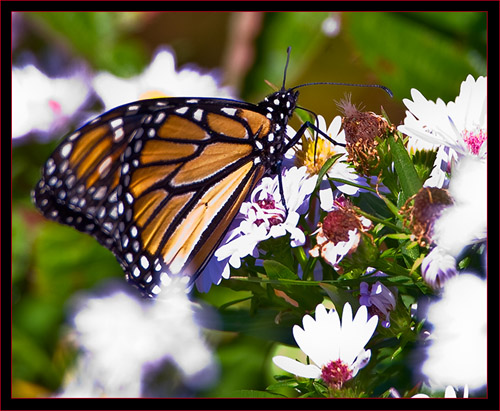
387, 90
288, 51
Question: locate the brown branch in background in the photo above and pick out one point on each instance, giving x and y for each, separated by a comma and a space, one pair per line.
240, 52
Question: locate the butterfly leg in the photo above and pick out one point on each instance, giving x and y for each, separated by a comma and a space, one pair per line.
294, 141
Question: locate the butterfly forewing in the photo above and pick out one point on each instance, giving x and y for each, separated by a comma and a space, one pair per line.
182, 184
159, 181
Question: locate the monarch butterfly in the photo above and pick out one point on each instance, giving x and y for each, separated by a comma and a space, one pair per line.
159, 181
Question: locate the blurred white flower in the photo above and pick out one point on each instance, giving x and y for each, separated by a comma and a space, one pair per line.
159, 79
457, 352
122, 338
379, 300
336, 349
331, 25
261, 218
465, 222
448, 393
460, 125
45, 105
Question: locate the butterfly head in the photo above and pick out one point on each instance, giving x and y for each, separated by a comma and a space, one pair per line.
280, 105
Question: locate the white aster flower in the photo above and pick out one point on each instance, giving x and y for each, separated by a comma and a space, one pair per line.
457, 353
459, 125
263, 217
159, 79
438, 267
123, 339
379, 300
45, 105
336, 349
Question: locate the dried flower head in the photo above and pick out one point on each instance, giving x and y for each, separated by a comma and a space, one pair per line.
340, 233
364, 131
423, 209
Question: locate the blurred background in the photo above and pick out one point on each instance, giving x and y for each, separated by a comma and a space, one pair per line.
432, 52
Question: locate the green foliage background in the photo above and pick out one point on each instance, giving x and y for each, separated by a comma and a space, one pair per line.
432, 52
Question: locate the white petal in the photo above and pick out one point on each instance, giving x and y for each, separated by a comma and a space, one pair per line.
326, 199
297, 368
329, 324
355, 333
310, 341
334, 130
362, 359
450, 392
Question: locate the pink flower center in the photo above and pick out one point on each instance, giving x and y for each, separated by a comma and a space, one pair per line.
273, 216
474, 140
55, 106
335, 374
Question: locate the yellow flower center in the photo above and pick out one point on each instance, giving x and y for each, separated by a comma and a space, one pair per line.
314, 153
152, 94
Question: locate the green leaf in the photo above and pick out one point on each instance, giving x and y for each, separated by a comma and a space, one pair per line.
31, 361
286, 382
339, 296
408, 177
98, 37
324, 169
83, 262
454, 44
280, 30
277, 271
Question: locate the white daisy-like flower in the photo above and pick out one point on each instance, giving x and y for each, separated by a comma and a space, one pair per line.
45, 105
460, 125
457, 353
262, 217
336, 349
438, 267
159, 79
124, 338
379, 300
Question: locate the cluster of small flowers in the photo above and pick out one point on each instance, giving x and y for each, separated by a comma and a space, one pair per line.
447, 220
457, 131
455, 204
